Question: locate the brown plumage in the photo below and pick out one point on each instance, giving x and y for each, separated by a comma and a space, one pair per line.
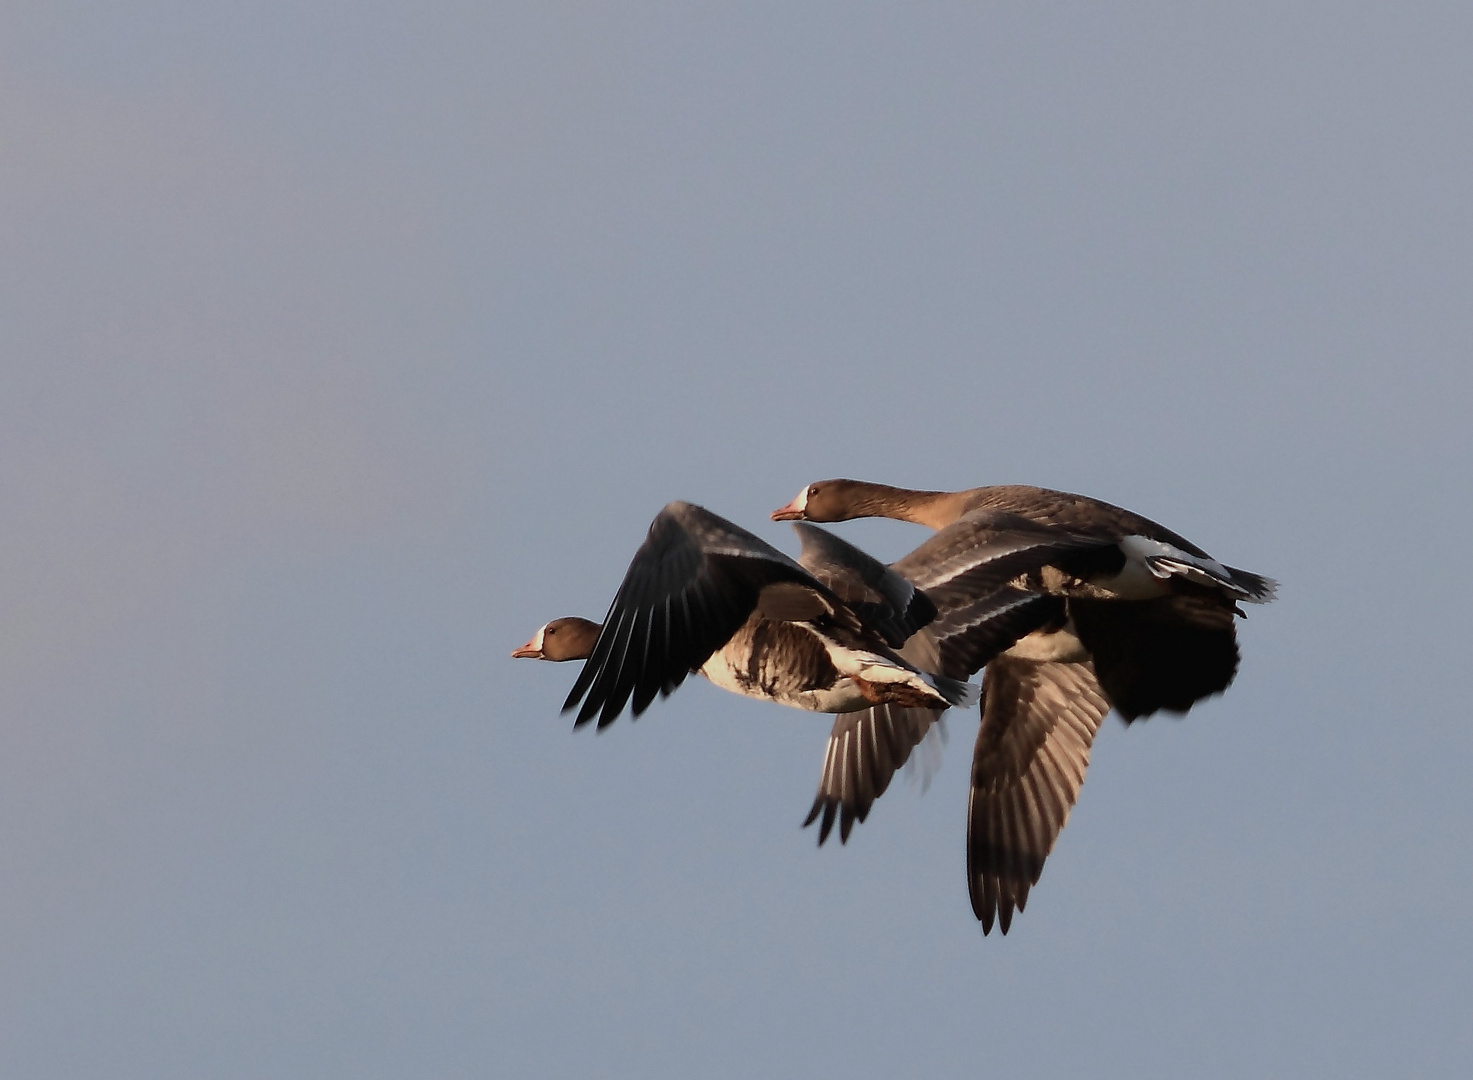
1121, 611
702, 594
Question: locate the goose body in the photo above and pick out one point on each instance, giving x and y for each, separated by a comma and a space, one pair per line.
768, 660
803, 668
1149, 555
1081, 605
702, 594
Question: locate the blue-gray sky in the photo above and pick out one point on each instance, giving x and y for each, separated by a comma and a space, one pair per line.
344, 344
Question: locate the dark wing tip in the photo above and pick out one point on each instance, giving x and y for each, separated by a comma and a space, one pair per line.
847, 817
827, 825
813, 813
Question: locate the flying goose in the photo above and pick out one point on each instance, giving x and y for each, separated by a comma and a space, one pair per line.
1141, 619
704, 595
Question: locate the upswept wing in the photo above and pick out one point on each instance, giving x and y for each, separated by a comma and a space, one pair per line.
692, 584
885, 599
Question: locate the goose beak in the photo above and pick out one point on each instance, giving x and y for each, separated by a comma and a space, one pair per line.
792, 512
530, 651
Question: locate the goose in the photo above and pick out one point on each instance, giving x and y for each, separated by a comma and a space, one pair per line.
703, 594
865, 748
1140, 619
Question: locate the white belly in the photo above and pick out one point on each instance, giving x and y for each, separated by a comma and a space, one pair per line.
842, 696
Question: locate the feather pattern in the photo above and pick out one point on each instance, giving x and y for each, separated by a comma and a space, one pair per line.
865, 749
1039, 721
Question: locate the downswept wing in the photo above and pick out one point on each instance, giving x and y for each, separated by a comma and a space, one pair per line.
1166, 653
1039, 720
692, 584
865, 750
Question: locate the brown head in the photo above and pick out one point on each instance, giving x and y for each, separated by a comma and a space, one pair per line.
826, 500
570, 638
840, 500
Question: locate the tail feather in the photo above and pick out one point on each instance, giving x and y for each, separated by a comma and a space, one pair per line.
1259, 589
1252, 588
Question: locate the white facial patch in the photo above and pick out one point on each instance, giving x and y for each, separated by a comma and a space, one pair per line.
536, 642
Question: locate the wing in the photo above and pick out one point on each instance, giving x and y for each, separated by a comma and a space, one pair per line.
1075, 513
881, 596
986, 549
865, 749
1166, 653
970, 631
692, 584
1038, 722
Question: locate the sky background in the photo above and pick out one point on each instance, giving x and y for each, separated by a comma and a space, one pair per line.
343, 344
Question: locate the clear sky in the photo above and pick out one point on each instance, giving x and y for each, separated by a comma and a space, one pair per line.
345, 343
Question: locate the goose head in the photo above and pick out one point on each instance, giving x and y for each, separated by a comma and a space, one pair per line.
826, 500
569, 638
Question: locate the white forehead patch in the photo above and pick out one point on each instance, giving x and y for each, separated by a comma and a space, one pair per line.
536, 642
801, 502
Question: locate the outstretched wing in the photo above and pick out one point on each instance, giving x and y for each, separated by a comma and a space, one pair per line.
1039, 720
692, 584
